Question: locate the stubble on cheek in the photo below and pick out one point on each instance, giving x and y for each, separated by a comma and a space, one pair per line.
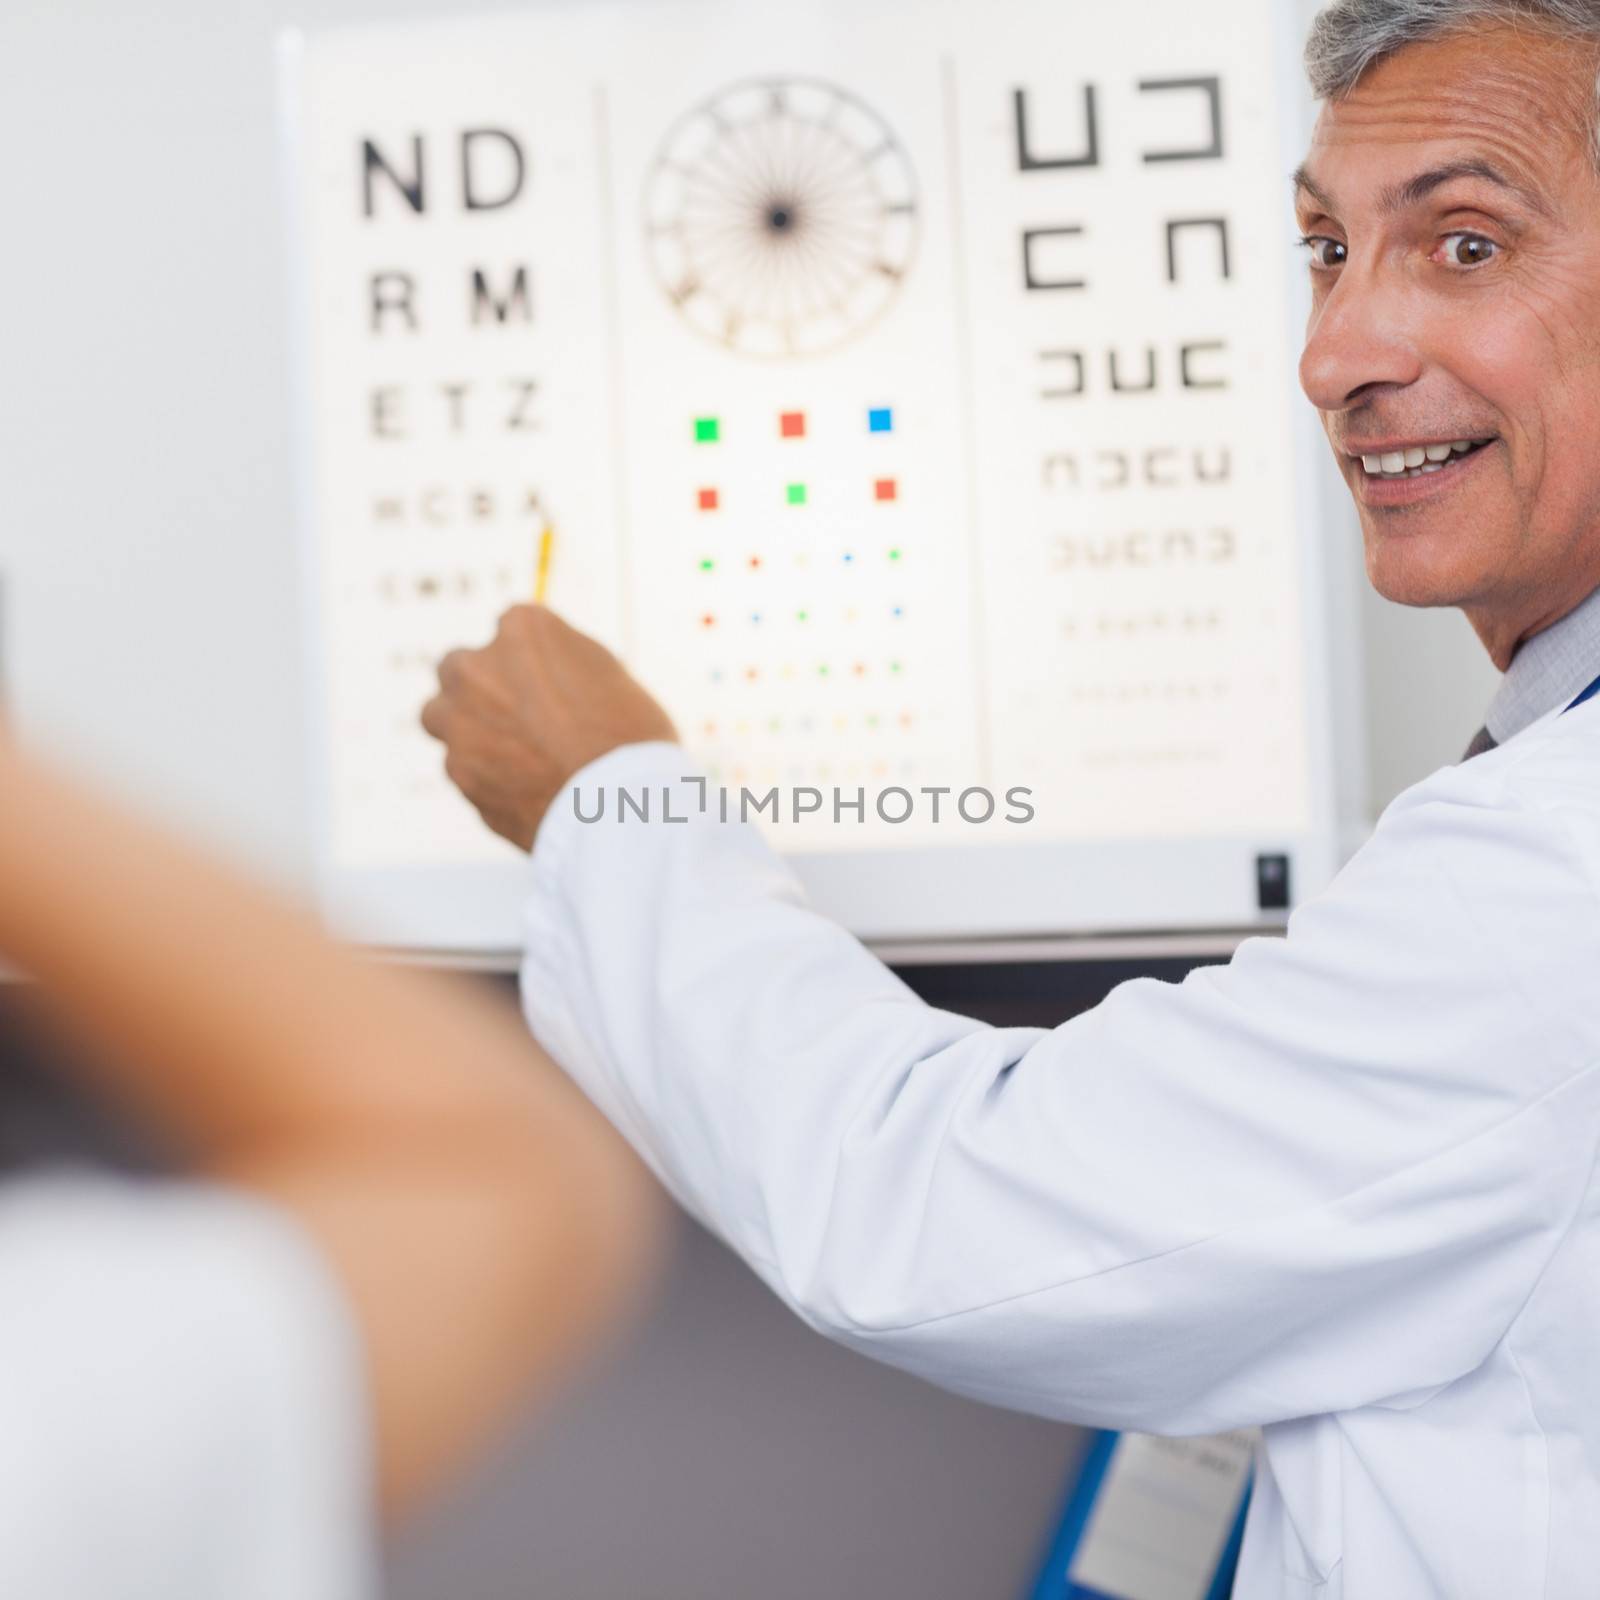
1460, 551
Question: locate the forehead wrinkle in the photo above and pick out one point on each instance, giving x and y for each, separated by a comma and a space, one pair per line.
1485, 151
1496, 89
1452, 111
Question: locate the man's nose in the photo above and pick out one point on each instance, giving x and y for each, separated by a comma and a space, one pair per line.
1359, 340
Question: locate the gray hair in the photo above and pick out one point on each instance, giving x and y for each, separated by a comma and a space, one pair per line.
1349, 35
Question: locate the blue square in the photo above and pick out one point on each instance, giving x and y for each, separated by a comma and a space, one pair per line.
880, 420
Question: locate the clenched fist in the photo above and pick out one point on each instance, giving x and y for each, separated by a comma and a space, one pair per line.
522, 716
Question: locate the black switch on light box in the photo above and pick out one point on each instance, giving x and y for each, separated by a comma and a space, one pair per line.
1272, 883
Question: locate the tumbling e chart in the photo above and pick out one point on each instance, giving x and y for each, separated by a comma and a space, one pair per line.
910, 393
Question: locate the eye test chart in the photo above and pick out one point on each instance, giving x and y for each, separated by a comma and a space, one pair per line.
906, 395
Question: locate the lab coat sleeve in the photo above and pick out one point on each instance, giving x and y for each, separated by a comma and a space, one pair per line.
1324, 1175
182, 1411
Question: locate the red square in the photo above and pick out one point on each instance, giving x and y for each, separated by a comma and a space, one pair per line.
708, 500
792, 425
886, 489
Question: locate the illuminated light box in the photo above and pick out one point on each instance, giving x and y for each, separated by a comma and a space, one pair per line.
912, 395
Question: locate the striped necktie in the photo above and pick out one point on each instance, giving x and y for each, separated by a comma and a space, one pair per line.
1482, 740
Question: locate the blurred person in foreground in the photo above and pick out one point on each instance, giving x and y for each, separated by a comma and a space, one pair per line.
397, 1226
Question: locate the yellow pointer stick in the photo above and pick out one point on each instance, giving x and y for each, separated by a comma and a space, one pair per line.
541, 582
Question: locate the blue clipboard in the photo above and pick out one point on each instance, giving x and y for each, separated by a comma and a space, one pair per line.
1054, 1581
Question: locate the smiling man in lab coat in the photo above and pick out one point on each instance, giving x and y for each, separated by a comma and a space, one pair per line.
1342, 1187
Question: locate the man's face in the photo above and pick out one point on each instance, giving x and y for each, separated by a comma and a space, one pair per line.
1454, 217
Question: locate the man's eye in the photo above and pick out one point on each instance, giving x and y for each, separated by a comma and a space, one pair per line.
1326, 254
1466, 250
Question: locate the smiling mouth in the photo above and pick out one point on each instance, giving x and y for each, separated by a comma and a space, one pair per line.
1419, 460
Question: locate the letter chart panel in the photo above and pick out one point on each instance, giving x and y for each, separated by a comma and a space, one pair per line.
906, 407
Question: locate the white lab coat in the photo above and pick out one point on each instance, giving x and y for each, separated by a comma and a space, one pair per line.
182, 1411
1342, 1187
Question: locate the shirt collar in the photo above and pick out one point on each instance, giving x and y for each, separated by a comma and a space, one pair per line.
1550, 668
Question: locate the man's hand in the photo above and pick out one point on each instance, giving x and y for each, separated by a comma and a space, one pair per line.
521, 717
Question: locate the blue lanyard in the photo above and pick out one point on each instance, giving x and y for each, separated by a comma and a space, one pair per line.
1588, 694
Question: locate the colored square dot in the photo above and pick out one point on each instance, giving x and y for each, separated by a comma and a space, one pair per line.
797, 494
880, 420
886, 489
707, 430
706, 563
709, 500
792, 425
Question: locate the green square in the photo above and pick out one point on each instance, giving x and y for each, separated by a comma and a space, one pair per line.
797, 494
707, 430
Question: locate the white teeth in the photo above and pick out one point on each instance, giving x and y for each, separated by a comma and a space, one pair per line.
1414, 460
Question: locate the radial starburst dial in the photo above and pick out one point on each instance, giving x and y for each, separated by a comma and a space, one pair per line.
781, 217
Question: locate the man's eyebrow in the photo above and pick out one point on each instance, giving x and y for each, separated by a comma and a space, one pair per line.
1412, 191
1305, 184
